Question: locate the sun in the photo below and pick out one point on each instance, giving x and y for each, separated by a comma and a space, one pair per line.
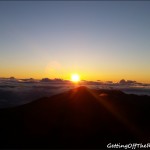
75, 78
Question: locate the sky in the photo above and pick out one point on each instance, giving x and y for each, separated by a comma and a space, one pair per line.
99, 40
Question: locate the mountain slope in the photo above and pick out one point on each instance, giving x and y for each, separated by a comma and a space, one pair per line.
79, 118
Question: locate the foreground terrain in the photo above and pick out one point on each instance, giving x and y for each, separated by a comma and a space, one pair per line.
79, 118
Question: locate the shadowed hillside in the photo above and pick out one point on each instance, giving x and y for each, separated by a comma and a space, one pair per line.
79, 118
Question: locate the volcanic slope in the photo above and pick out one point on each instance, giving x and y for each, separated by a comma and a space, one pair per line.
79, 118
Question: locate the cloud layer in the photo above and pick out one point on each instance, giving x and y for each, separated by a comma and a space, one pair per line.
15, 92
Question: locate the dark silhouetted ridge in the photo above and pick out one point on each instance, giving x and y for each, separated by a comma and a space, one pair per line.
79, 118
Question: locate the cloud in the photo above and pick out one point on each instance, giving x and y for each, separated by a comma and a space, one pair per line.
46, 80
21, 92
127, 81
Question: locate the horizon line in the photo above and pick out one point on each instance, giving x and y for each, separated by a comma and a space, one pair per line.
82, 80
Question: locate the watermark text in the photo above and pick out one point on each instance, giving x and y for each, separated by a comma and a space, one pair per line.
128, 146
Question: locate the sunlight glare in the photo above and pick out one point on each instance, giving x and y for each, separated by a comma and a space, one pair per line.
75, 78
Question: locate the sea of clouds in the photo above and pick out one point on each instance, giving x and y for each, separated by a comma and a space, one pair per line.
14, 92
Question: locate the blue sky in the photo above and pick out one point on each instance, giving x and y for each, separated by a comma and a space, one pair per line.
99, 40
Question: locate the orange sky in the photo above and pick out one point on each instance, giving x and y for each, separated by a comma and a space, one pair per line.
96, 39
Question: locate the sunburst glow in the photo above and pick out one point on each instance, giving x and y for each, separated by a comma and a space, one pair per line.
75, 78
